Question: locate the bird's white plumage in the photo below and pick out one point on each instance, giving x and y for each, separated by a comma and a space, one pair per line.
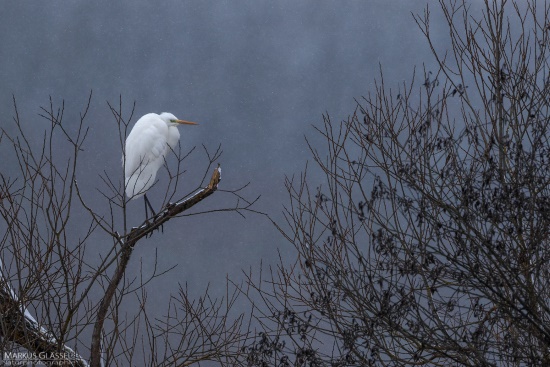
150, 140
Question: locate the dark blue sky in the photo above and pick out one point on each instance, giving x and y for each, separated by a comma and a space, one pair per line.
255, 74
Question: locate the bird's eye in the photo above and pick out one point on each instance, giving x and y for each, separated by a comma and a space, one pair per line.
172, 120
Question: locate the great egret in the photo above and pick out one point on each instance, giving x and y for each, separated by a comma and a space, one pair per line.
146, 147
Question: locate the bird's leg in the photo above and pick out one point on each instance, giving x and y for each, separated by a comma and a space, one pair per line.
148, 206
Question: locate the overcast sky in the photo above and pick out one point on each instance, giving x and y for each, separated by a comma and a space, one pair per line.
255, 74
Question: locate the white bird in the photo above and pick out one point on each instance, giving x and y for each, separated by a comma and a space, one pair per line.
151, 138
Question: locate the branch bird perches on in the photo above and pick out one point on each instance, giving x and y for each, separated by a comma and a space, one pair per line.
128, 242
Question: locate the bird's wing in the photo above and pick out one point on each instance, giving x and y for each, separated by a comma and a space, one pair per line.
146, 145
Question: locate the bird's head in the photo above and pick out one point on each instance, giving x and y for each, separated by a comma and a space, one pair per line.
170, 119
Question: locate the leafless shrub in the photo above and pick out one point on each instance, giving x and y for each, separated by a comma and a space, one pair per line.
76, 302
426, 241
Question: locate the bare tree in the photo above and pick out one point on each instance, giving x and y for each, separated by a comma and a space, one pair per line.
426, 240
57, 304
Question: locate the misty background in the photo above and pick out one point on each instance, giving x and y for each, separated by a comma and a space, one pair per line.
255, 74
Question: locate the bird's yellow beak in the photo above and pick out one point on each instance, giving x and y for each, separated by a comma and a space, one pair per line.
183, 122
